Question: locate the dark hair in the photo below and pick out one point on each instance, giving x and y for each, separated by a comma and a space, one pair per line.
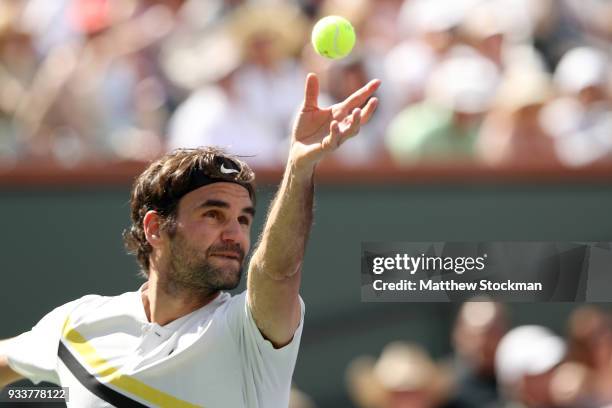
161, 186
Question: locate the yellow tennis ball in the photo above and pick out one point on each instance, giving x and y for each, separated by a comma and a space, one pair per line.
333, 37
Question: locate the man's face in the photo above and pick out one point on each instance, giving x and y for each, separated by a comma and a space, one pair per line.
211, 238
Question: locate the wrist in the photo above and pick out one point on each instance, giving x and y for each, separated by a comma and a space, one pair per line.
300, 169
300, 165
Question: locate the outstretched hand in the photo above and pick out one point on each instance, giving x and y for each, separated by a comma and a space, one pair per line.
319, 131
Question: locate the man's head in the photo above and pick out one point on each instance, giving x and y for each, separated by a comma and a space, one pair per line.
480, 325
526, 361
191, 217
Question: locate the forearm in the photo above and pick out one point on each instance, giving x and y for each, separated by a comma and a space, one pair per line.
281, 247
7, 375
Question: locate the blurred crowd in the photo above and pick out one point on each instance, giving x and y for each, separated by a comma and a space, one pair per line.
493, 365
493, 81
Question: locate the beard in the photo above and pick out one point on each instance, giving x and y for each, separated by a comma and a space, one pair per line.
190, 269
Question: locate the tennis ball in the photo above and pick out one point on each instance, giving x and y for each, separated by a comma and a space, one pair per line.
333, 37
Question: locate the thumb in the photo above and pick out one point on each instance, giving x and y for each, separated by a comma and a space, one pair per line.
311, 92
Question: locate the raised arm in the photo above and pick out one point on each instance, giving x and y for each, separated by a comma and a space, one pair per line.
7, 375
275, 269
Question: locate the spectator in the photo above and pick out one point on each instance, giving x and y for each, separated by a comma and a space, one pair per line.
18, 63
299, 399
428, 27
249, 83
574, 23
270, 81
215, 114
581, 119
403, 377
478, 329
525, 363
590, 346
445, 126
501, 31
512, 131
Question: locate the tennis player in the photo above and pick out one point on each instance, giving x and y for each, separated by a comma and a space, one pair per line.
180, 340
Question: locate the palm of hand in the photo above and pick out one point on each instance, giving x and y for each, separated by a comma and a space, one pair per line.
313, 125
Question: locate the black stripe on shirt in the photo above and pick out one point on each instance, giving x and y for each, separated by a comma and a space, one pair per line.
91, 382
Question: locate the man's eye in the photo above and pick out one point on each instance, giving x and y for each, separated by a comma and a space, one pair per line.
244, 221
212, 214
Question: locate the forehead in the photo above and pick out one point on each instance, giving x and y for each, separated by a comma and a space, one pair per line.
233, 194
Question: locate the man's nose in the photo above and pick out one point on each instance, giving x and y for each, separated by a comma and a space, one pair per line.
232, 231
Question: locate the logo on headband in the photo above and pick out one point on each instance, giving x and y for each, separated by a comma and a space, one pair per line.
225, 170
227, 166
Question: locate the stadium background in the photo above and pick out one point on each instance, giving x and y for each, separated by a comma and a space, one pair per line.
65, 191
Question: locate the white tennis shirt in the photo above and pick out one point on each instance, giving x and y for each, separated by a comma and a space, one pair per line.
107, 353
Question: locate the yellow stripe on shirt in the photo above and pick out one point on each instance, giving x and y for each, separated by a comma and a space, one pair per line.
106, 373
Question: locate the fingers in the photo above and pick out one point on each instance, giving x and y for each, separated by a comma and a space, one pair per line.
337, 136
369, 109
360, 96
311, 92
355, 123
332, 141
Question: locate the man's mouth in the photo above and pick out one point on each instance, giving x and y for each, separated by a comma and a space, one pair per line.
228, 255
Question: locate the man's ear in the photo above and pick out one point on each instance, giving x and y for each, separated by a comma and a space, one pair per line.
150, 224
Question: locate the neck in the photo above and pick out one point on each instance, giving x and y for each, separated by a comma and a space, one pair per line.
165, 301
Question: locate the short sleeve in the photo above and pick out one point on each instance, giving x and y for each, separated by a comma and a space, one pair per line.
33, 354
271, 369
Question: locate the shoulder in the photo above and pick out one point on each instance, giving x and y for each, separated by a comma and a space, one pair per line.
237, 312
68, 308
98, 306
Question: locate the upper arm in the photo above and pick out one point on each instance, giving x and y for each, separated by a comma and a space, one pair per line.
7, 375
274, 304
